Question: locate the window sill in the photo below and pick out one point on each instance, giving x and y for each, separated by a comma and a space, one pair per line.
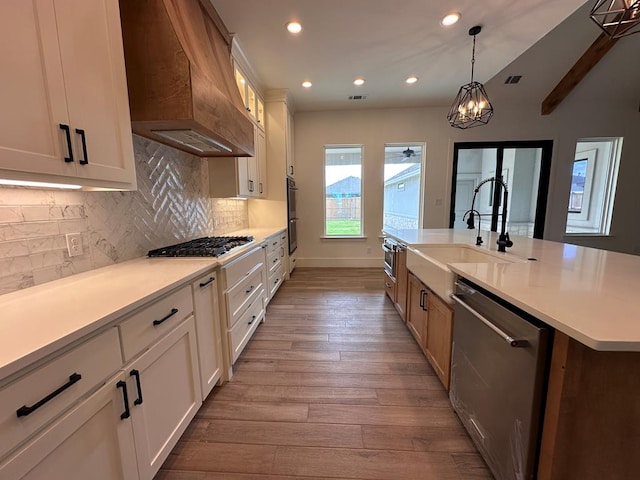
587, 235
343, 237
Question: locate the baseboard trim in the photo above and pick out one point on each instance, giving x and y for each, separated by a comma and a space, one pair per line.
363, 262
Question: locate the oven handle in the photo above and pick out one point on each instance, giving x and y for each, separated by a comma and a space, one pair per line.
387, 248
506, 337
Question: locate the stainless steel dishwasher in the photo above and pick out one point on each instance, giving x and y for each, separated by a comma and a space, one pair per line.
499, 365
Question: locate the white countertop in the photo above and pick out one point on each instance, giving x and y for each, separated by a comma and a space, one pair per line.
37, 321
589, 294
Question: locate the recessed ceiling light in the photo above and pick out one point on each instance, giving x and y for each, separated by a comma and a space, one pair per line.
450, 18
358, 81
411, 79
294, 27
307, 84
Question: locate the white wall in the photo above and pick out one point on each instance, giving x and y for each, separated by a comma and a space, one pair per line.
574, 119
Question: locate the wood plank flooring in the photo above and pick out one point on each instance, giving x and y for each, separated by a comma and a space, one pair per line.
332, 386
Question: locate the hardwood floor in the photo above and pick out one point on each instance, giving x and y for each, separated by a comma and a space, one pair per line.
332, 386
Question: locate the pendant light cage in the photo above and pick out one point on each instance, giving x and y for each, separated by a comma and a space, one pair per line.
618, 18
471, 107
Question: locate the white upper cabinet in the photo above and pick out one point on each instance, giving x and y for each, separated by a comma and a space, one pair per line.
65, 115
252, 102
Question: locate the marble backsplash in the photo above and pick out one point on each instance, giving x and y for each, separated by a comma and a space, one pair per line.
171, 205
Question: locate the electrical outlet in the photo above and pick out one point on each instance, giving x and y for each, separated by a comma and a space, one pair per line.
74, 244
368, 250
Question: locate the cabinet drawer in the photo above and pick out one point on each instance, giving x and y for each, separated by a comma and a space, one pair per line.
236, 270
273, 260
273, 244
154, 321
275, 278
241, 332
79, 370
243, 294
390, 286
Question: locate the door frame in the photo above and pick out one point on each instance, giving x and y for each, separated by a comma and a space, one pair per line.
543, 183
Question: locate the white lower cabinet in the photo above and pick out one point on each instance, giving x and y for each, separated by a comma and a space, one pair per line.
243, 287
164, 396
205, 302
91, 441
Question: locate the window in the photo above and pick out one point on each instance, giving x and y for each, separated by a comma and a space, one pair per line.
593, 186
403, 186
343, 191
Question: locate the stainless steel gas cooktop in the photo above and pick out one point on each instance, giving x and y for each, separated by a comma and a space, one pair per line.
201, 247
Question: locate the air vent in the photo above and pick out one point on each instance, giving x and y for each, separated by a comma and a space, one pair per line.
513, 79
357, 97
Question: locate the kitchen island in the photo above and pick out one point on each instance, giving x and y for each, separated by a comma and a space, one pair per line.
591, 411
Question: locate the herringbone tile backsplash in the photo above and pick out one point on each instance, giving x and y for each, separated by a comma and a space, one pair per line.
171, 205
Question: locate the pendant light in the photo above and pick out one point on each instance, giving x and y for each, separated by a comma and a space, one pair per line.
471, 106
618, 18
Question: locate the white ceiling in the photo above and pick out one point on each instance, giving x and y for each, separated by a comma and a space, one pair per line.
384, 41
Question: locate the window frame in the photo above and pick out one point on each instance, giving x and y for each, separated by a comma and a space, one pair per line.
324, 191
601, 181
422, 192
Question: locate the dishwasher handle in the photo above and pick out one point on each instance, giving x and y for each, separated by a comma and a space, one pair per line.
506, 337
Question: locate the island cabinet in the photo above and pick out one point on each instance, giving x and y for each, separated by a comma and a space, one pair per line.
65, 115
591, 427
430, 320
111, 407
417, 309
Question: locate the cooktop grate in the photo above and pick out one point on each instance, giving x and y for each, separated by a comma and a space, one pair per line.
201, 247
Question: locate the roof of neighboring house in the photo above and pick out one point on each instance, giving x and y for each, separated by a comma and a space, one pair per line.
409, 172
347, 187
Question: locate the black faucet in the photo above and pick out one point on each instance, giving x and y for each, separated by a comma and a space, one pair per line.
470, 223
504, 241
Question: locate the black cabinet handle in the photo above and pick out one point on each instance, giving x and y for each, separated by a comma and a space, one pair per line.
253, 319
123, 385
166, 317
423, 300
67, 132
204, 284
136, 373
261, 191
290, 169
24, 410
249, 289
85, 159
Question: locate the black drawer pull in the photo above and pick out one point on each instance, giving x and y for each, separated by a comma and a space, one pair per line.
123, 385
249, 289
166, 317
67, 132
204, 284
136, 373
422, 292
253, 319
24, 410
85, 159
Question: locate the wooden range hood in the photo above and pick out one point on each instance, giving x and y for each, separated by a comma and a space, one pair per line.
182, 90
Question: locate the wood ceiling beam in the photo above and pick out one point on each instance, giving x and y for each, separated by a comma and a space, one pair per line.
574, 76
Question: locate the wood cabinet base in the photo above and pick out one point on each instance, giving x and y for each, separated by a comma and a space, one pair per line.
592, 419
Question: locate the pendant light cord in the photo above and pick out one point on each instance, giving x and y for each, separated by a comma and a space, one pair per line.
473, 57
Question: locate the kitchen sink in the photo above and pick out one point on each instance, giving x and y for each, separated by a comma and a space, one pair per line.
430, 264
